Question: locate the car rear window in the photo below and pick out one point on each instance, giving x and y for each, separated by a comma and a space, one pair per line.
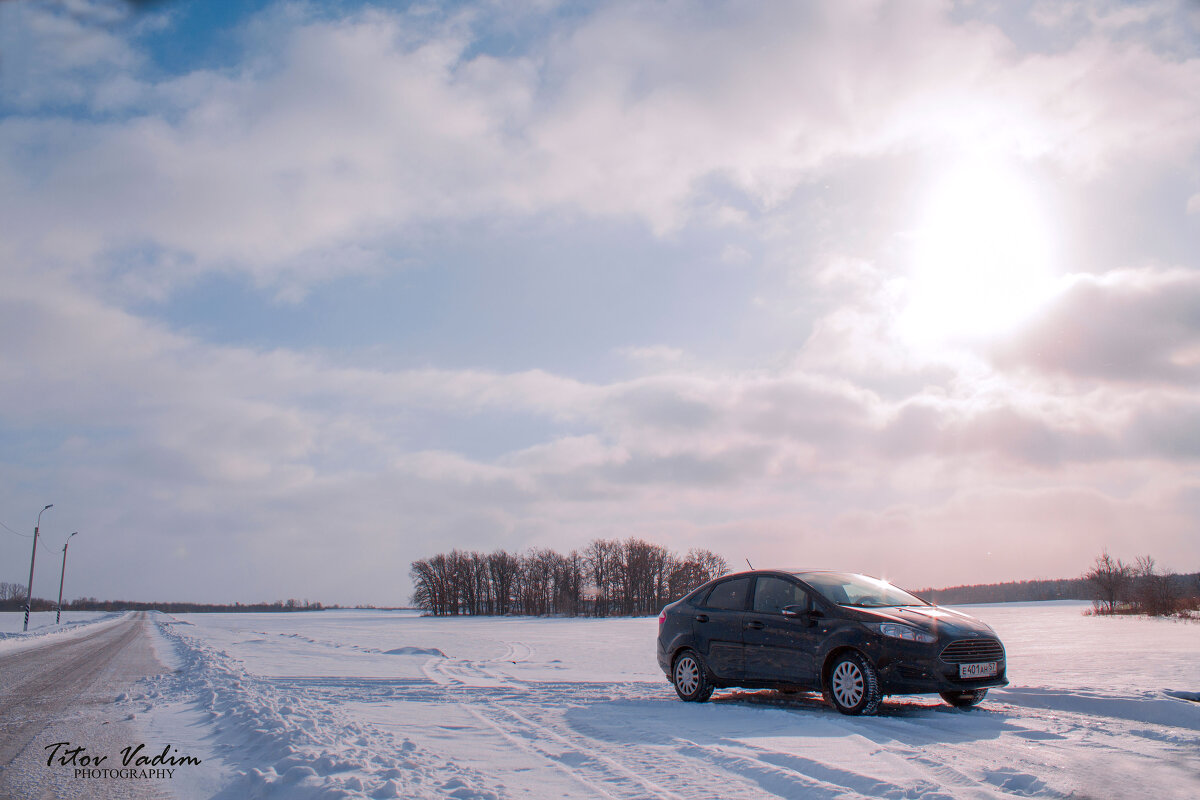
729, 595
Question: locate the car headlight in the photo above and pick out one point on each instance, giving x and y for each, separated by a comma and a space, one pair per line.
897, 631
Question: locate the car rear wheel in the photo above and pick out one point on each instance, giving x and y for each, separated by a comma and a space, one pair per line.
966, 699
689, 678
853, 685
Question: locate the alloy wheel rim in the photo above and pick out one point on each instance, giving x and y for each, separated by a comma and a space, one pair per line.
687, 675
848, 684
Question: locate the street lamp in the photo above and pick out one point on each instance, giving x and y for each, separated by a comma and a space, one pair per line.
32, 560
58, 616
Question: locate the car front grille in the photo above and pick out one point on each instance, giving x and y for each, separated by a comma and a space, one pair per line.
970, 651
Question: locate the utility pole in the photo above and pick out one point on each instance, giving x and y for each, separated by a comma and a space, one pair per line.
32, 560
58, 616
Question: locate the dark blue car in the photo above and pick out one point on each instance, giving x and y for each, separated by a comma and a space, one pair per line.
853, 637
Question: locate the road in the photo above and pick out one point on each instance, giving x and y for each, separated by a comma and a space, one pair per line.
66, 690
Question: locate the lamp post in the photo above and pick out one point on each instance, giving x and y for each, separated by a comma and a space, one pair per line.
32, 560
58, 616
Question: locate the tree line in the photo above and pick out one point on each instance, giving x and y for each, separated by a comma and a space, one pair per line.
1141, 588
609, 577
1113, 586
1011, 591
12, 598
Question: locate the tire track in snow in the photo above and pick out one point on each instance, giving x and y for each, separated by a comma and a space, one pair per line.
466, 672
571, 755
621, 769
527, 746
787, 774
782, 780
689, 767
577, 745
527, 713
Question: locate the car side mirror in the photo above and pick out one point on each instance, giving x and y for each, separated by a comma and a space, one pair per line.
809, 615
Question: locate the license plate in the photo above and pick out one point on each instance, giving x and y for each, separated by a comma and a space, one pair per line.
988, 669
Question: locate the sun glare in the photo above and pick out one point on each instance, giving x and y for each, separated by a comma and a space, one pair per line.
982, 257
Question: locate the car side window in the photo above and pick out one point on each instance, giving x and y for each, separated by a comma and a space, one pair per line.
729, 595
772, 595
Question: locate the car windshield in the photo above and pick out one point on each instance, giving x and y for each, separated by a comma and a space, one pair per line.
848, 589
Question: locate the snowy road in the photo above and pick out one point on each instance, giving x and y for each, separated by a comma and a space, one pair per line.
62, 689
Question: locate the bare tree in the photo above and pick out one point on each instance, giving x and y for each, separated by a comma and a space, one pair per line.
1154, 592
647, 568
568, 584
710, 565
660, 562
1109, 579
504, 570
427, 590
536, 582
602, 557
697, 568
627, 577
633, 571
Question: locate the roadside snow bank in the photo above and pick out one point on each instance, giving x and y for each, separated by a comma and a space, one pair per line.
283, 742
14, 640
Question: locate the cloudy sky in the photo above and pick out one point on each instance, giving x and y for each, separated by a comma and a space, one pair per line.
295, 293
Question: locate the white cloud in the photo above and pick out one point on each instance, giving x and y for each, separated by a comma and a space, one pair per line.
355, 128
257, 456
659, 354
61, 53
318, 155
1136, 325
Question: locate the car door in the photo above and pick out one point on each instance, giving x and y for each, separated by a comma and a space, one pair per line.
778, 647
717, 627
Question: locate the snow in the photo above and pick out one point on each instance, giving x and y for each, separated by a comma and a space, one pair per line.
42, 624
360, 704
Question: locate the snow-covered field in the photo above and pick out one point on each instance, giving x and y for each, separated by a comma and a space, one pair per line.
390, 704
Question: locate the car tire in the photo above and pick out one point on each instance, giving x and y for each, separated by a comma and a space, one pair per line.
853, 685
690, 678
965, 699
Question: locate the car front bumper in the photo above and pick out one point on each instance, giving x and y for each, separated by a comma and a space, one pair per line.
917, 669
903, 677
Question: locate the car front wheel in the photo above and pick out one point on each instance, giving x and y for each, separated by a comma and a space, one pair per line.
853, 685
689, 679
967, 699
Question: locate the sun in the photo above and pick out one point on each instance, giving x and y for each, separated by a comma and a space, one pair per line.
982, 256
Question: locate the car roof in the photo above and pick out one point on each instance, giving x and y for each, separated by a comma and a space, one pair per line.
785, 571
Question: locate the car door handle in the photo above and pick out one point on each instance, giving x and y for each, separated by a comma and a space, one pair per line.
702, 618
755, 624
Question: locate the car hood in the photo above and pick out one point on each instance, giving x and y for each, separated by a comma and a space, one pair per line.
934, 619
